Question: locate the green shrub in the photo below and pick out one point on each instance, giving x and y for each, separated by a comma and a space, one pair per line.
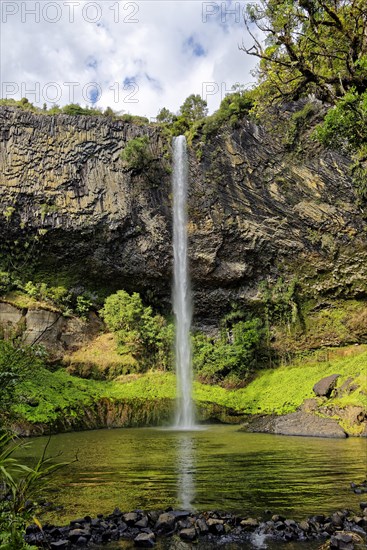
23, 104
74, 109
134, 119
232, 109
231, 357
137, 154
66, 300
194, 108
7, 282
147, 337
180, 126
31, 289
345, 125
17, 363
109, 112
345, 129
165, 116
83, 306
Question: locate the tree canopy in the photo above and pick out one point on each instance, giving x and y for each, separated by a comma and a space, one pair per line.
194, 108
165, 116
311, 46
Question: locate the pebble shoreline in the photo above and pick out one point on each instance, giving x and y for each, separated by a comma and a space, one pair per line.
343, 530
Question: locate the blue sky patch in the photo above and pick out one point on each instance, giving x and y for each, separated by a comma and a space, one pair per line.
129, 80
93, 95
153, 81
194, 47
92, 63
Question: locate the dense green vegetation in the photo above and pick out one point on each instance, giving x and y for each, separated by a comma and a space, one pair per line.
21, 487
73, 109
233, 108
17, 363
345, 128
141, 333
143, 341
54, 397
233, 356
313, 46
137, 154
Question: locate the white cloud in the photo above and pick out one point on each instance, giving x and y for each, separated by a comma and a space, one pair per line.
169, 49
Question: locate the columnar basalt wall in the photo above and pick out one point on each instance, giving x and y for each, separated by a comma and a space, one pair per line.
256, 210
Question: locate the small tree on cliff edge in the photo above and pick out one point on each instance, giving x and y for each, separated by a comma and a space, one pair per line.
194, 108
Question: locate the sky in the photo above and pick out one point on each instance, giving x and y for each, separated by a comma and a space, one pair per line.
134, 56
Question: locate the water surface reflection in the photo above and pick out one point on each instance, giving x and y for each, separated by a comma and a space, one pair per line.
216, 468
186, 471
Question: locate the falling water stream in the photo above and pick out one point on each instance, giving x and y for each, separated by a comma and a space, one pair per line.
181, 287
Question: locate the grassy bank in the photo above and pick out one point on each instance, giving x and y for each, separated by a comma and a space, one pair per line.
49, 396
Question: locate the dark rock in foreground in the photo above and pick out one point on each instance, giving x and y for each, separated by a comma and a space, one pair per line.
343, 530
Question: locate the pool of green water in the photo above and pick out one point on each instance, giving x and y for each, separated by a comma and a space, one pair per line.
217, 467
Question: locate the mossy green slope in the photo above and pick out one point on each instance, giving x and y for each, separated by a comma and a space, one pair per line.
50, 396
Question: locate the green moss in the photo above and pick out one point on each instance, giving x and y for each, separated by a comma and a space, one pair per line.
358, 397
324, 324
22, 300
284, 389
49, 397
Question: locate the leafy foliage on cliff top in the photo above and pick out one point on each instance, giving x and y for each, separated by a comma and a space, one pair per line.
316, 47
23, 104
73, 109
311, 46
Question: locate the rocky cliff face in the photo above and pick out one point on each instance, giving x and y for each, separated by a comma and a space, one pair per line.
50, 328
72, 211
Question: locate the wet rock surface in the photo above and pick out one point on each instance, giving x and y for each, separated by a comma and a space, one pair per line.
342, 530
299, 423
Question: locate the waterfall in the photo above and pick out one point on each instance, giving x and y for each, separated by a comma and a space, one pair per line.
181, 287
